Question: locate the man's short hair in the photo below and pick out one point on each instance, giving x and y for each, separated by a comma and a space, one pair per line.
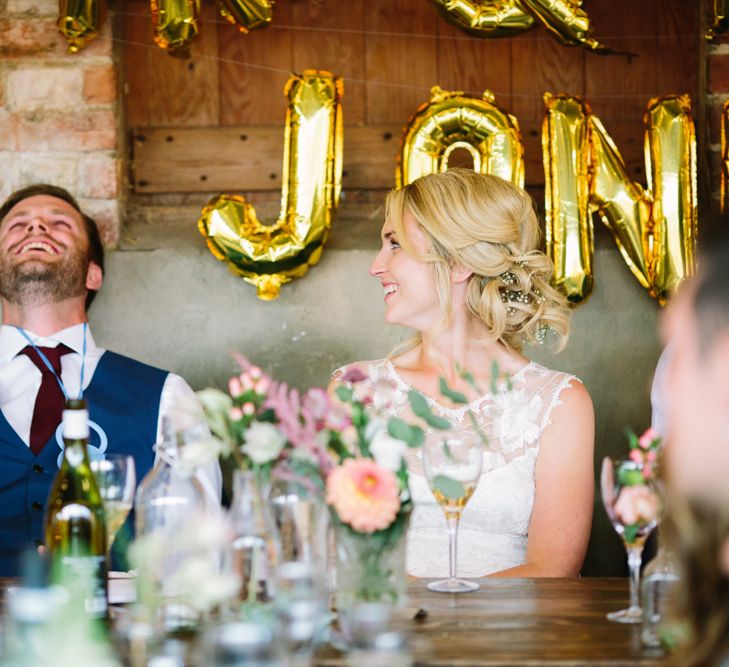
711, 298
96, 247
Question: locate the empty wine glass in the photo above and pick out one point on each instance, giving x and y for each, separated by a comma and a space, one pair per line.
452, 465
631, 503
116, 478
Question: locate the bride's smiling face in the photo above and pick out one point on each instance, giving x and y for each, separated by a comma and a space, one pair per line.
408, 283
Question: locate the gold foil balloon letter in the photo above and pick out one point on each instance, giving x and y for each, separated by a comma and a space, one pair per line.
79, 21
247, 15
654, 228
176, 24
269, 256
502, 18
453, 120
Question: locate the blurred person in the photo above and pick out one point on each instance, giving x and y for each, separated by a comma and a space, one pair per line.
51, 266
697, 451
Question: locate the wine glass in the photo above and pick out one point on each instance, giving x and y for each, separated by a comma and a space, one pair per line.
631, 503
452, 465
116, 478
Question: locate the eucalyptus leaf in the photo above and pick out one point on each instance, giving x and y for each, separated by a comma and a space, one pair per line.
412, 435
344, 393
421, 408
455, 396
450, 488
630, 533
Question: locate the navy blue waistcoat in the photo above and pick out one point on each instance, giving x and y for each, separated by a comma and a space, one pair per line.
123, 398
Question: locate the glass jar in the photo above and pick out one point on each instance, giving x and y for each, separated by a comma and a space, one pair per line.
256, 547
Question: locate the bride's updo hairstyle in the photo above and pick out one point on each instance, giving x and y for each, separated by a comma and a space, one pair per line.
488, 226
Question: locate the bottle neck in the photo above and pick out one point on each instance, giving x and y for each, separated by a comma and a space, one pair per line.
75, 452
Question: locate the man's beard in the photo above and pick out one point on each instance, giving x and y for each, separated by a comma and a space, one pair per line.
38, 283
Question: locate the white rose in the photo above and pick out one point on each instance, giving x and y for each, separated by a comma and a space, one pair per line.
387, 451
264, 442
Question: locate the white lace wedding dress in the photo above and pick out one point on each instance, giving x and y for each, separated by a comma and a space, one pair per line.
494, 526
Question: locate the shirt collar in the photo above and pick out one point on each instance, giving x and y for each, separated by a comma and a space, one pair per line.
12, 341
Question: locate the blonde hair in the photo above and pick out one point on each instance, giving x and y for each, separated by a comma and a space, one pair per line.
488, 226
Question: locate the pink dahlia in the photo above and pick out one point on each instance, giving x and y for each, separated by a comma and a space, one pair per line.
364, 495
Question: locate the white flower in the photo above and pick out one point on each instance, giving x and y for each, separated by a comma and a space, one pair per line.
264, 442
201, 452
387, 451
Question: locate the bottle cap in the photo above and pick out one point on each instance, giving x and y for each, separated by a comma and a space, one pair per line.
75, 424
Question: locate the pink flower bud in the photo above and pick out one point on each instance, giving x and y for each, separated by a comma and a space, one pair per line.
262, 385
249, 409
636, 455
246, 382
651, 456
646, 440
255, 372
234, 387
235, 414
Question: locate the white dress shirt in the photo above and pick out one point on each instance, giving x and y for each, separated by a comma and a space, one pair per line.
20, 381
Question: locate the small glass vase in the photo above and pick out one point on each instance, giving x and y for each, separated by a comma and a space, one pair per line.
370, 568
302, 520
256, 546
658, 593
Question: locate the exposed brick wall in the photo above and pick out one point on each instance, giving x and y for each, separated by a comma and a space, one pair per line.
58, 111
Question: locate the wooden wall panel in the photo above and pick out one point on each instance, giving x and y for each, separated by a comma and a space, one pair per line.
160, 89
338, 47
390, 53
400, 57
253, 71
473, 65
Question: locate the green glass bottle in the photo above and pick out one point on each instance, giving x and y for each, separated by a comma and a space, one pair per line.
75, 525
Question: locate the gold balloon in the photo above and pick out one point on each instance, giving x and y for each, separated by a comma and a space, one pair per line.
718, 19
268, 256
502, 18
485, 18
79, 21
247, 15
724, 156
566, 20
176, 24
654, 229
569, 234
453, 120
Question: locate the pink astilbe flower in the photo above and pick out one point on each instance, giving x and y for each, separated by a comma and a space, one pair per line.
363, 494
353, 374
636, 505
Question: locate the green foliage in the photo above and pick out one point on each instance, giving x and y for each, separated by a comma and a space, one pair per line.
450, 488
630, 533
421, 409
412, 435
455, 396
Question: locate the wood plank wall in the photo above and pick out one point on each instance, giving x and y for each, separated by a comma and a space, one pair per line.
215, 122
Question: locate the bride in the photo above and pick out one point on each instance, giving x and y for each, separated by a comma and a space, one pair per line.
459, 264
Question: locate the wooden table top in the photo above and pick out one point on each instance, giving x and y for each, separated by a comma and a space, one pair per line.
511, 622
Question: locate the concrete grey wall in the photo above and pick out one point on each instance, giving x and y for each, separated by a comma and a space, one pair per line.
168, 302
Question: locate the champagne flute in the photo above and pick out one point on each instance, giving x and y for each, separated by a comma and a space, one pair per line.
116, 478
631, 503
452, 465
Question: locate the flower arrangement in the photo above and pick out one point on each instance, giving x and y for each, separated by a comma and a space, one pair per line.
637, 504
272, 429
340, 447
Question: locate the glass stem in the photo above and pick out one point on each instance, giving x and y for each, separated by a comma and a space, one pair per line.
634, 560
452, 519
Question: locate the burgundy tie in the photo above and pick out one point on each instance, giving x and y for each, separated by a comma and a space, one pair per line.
50, 401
